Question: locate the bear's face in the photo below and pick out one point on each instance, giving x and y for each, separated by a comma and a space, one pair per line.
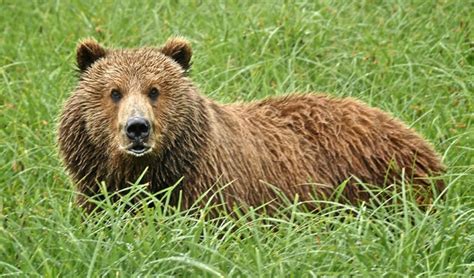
132, 99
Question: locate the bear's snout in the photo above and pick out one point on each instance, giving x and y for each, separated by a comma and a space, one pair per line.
137, 129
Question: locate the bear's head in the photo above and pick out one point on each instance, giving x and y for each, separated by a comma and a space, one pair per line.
133, 101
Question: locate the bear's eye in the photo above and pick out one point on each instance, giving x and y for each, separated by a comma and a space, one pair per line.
115, 95
153, 94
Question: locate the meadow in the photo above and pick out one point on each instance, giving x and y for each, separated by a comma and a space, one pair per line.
414, 59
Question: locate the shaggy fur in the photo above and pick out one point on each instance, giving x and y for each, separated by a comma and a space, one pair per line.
303, 145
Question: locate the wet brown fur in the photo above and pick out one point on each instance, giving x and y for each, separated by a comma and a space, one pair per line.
304, 145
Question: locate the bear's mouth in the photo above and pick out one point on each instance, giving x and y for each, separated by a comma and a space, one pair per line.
138, 149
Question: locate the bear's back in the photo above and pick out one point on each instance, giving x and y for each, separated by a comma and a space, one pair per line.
309, 144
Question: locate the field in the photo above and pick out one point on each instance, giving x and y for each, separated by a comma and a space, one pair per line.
414, 59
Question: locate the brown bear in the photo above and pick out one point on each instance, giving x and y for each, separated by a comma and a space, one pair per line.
136, 108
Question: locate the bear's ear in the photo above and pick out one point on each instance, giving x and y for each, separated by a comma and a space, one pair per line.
88, 51
179, 50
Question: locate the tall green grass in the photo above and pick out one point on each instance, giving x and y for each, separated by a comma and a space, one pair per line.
414, 59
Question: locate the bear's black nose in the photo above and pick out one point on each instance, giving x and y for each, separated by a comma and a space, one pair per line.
137, 128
